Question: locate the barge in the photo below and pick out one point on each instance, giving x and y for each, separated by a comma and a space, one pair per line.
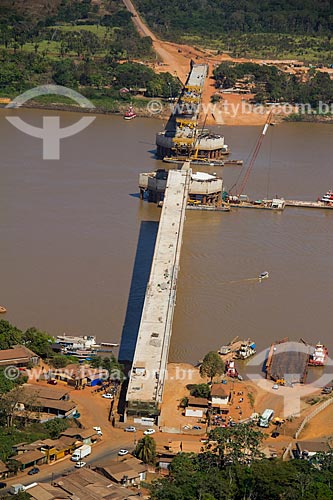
287, 362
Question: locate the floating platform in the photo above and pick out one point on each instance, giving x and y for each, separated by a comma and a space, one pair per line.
203, 162
309, 204
287, 362
275, 204
209, 208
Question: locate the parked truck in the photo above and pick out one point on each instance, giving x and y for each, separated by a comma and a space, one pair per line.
81, 452
15, 489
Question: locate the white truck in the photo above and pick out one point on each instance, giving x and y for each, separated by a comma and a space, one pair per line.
81, 452
15, 489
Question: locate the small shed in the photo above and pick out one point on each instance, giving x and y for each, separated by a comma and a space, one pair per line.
196, 407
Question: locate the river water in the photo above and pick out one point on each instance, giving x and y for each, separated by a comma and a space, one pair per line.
76, 241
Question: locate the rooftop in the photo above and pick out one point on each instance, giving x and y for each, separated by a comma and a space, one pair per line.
75, 431
28, 457
192, 401
45, 392
218, 390
117, 470
86, 484
18, 353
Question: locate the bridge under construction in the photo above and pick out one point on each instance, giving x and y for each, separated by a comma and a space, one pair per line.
146, 383
182, 137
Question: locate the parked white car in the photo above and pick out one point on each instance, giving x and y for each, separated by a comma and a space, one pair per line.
80, 464
107, 396
98, 431
149, 431
131, 428
122, 452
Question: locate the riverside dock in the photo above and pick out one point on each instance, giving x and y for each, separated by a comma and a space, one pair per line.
309, 204
146, 383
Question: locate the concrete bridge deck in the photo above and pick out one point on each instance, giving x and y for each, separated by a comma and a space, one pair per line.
147, 377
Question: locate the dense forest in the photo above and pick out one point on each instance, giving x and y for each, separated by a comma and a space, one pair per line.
78, 44
244, 16
269, 28
195, 477
274, 85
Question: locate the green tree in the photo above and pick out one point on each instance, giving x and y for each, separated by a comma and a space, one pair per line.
9, 334
109, 363
39, 342
212, 365
146, 450
64, 73
56, 426
61, 361
199, 390
232, 445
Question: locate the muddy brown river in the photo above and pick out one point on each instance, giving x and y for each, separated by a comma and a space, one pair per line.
76, 242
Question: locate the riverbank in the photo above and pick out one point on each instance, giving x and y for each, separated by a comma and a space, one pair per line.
230, 113
142, 111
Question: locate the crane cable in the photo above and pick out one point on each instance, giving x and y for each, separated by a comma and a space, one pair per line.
255, 153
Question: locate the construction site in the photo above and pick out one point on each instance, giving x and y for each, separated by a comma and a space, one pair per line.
182, 139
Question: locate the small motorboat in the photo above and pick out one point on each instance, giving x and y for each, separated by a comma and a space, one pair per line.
263, 275
130, 113
2, 310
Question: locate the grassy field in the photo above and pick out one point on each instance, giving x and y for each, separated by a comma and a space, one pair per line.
98, 30
51, 48
269, 46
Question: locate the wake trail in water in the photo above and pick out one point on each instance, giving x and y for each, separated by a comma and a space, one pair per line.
244, 280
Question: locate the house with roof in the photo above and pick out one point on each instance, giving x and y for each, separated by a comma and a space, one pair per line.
219, 398
129, 471
24, 447
29, 459
83, 484
55, 449
54, 393
308, 449
85, 436
78, 375
40, 404
19, 356
197, 407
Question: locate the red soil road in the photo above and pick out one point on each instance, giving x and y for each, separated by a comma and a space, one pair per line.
175, 58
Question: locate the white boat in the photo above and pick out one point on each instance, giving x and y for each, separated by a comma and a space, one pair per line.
328, 197
130, 113
264, 275
319, 356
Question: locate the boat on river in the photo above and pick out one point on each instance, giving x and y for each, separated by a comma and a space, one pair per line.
328, 197
319, 356
130, 113
2, 310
